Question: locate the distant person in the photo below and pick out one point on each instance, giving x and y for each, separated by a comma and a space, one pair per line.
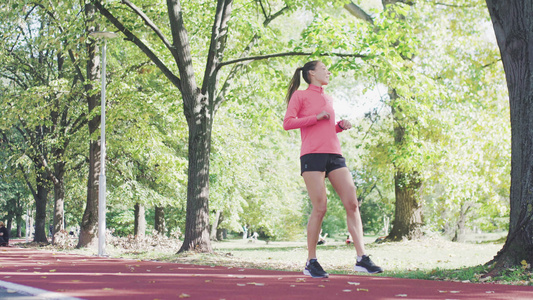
348, 240
311, 111
4, 235
321, 238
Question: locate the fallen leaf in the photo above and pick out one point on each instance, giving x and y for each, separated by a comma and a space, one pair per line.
346, 291
362, 290
455, 292
241, 284
11, 291
292, 285
52, 271
108, 289
489, 292
300, 279
208, 280
185, 295
321, 286
353, 283
401, 295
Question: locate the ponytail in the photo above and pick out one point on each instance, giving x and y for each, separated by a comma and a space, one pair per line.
295, 81
294, 85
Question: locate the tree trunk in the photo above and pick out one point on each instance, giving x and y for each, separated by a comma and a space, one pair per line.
89, 220
159, 222
408, 209
214, 227
221, 232
460, 230
197, 217
40, 210
139, 227
513, 26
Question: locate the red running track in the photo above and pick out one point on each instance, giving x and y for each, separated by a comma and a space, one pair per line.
89, 277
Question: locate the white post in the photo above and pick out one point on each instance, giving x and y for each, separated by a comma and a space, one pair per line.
28, 225
102, 178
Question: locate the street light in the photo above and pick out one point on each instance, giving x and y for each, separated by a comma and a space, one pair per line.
102, 179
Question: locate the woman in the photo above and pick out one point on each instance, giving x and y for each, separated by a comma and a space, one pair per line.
312, 112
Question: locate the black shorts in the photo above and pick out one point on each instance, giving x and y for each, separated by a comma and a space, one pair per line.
322, 162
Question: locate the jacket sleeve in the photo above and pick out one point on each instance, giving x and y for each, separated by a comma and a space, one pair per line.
291, 120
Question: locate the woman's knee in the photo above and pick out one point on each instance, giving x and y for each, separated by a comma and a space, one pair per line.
352, 207
320, 209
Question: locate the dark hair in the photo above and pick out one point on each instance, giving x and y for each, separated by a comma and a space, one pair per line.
295, 81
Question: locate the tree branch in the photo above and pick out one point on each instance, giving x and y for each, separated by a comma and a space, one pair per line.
358, 12
236, 68
144, 48
151, 24
218, 42
261, 57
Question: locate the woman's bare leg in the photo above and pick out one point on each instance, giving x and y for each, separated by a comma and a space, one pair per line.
342, 182
316, 188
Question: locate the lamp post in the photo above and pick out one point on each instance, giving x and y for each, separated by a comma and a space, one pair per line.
102, 179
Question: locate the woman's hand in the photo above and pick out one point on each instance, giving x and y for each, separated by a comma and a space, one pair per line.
345, 124
324, 115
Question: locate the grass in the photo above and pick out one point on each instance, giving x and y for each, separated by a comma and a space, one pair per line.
433, 258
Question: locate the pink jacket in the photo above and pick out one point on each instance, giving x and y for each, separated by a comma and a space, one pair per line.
317, 136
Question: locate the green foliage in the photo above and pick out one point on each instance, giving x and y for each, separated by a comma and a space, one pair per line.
440, 60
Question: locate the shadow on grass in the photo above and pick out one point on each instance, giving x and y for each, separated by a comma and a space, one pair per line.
277, 248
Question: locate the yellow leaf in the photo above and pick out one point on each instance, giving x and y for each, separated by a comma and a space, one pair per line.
353, 283
108, 289
321, 286
362, 290
52, 271
346, 291
185, 295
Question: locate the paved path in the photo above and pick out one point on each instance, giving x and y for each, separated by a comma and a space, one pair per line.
56, 275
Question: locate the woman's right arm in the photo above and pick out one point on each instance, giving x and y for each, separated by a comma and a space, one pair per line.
291, 120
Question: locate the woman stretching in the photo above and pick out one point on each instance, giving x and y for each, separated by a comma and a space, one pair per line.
312, 112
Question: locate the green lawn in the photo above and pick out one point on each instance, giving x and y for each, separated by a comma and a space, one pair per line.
429, 258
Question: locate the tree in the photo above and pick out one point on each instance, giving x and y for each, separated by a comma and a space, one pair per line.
201, 98
513, 26
47, 112
89, 220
